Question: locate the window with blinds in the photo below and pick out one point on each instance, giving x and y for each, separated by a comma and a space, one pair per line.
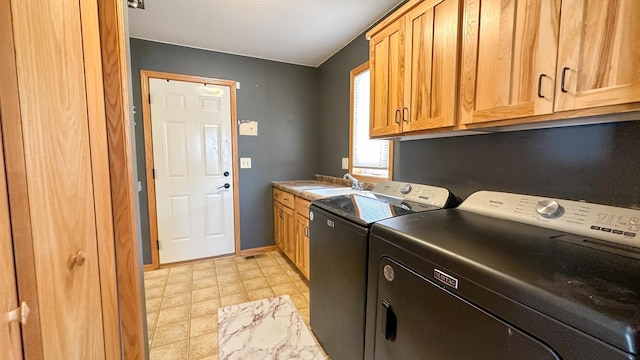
369, 158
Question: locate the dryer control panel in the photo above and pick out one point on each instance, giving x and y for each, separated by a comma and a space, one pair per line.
609, 223
418, 193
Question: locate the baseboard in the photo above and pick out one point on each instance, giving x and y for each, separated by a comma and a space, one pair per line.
258, 250
247, 252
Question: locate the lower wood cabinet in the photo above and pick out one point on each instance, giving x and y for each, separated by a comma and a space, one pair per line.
277, 223
302, 235
302, 244
291, 228
284, 229
288, 233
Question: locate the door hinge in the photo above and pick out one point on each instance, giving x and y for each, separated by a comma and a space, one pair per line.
20, 314
158, 244
149, 98
153, 173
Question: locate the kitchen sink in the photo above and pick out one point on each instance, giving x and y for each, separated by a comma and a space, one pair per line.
338, 191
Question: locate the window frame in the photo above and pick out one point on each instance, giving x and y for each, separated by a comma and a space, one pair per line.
368, 178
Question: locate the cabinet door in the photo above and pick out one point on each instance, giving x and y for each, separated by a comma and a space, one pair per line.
599, 54
288, 232
277, 224
431, 51
509, 59
386, 62
302, 244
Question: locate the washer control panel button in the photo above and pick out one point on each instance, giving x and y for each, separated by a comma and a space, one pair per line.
549, 208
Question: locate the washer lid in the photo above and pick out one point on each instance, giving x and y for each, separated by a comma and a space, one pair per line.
365, 210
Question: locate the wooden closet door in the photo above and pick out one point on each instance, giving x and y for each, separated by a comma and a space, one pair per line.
65, 260
431, 73
386, 63
509, 48
599, 54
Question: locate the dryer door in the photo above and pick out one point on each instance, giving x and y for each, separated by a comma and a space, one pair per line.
417, 319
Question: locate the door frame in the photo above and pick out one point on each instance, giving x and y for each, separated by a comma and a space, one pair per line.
145, 75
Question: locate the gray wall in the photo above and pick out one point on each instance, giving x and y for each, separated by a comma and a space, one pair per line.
595, 163
333, 109
281, 97
303, 116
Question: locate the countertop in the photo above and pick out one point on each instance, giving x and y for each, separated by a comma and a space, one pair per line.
300, 187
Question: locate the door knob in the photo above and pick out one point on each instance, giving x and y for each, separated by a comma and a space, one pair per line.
226, 173
77, 259
226, 186
20, 314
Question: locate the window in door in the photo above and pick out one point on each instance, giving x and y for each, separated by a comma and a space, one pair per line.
370, 160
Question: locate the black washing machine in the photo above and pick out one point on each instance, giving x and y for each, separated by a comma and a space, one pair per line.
506, 276
338, 250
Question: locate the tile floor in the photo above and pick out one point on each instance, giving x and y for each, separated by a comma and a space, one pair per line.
183, 301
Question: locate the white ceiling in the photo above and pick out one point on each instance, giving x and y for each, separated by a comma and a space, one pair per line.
303, 32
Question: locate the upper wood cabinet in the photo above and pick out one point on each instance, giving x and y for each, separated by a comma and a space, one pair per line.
413, 61
386, 63
599, 54
508, 59
509, 50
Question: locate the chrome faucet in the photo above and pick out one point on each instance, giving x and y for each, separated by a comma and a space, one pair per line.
355, 184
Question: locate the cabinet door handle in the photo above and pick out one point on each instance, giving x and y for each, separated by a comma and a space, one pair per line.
77, 259
280, 214
389, 321
397, 116
540, 85
564, 75
405, 119
306, 231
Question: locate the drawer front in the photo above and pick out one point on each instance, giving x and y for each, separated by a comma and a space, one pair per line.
288, 199
277, 195
283, 197
302, 206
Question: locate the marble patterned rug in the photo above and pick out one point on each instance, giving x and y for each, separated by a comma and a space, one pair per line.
267, 329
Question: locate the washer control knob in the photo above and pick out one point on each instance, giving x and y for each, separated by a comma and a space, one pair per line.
549, 208
405, 189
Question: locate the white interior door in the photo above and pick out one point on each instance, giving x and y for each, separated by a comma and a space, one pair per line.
191, 131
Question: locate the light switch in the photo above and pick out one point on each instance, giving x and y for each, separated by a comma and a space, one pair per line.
245, 163
345, 163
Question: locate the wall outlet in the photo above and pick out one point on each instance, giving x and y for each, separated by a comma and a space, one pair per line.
345, 163
245, 163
